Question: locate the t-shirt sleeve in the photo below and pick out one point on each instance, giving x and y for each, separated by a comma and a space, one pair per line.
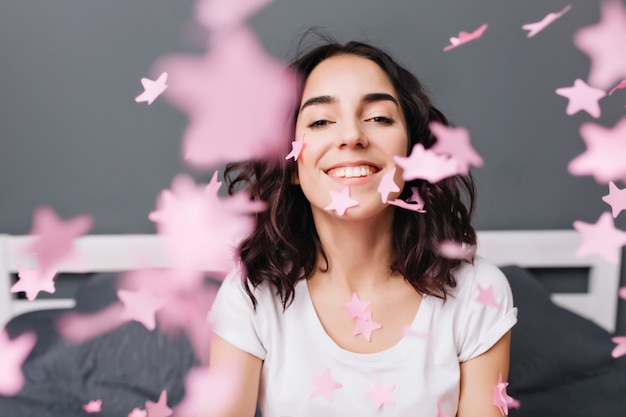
485, 310
234, 319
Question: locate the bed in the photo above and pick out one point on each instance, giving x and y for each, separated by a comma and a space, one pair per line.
561, 362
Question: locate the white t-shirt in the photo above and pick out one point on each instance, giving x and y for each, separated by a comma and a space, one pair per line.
413, 376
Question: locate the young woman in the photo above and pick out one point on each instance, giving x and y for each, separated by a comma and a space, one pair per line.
343, 305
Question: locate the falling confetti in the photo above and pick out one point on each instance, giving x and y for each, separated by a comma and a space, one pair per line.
582, 97
140, 306
94, 406
486, 297
501, 399
381, 395
13, 353
387, 185
324, 386
341, 201
620, 349
407, 206
427, 165
33, 280
536, 27
152, 89
159, 408
604, 44
296, 149
616, 198
356, 307
465, 37
456, 250
456, 143
365, 326
604, 157
600, 238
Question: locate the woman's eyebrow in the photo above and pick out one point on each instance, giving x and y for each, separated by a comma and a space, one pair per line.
318, 100
372, 97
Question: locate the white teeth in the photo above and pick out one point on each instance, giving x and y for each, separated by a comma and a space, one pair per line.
351, 172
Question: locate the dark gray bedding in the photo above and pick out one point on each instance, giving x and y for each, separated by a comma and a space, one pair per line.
561, 364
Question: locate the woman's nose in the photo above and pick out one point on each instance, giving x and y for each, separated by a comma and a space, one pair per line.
352, 136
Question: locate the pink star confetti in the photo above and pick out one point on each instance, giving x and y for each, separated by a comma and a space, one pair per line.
159, 408
427, 165
13, 353
325, 386
619, 86
224, 14
604, 44
604, 157
200, 229
365, 327
356, 307
622, 292
486, 296
408, 331
416, 198
93, 406
33, 280
236, 74
465, 37
407, 206
501, 399
536, 27
138, 412
456, 143
440, 412
600, 238
387, 185
620, 349
140, 306
341, 201
152, 89
616, 198
209, 391
54, 237
381, 395
582, 97
79, 327
456, 250
296, 149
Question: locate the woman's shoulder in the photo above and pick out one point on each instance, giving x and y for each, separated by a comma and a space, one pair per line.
480, 275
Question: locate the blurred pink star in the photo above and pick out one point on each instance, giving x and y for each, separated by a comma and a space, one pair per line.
440, 412
224, 14
238, 74
365, 326
13, 353
452, 249
416, 197
387, 185
620, 349
456, 143
159, 408
212, 189
381, 395
93, 406
536, 27
582, 97
427, 165
465, 37
140, 306
296, 148
33, 280
604, 43
619, 86
616, 198
409, 332
407, 206
341, 201
209, 391
622, 292
600, 238
356, 307
324, 386
137, 412
486, 297
54, 237
152, 89
501, 399
604, 157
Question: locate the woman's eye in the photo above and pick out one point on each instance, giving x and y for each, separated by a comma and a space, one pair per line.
319, 123
382, 119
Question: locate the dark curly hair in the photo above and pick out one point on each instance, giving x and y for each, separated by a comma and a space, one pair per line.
284, 245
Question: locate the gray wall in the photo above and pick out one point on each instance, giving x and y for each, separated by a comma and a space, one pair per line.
73, 137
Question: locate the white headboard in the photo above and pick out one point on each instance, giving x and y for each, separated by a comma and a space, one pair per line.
528, 248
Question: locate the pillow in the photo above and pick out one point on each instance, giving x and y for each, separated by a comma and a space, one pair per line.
549, 344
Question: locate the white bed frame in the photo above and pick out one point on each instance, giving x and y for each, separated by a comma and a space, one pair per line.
528, 248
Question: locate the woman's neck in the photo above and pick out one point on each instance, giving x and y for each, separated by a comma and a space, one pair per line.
359, 252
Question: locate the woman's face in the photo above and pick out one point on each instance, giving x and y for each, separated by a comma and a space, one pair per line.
353, 126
